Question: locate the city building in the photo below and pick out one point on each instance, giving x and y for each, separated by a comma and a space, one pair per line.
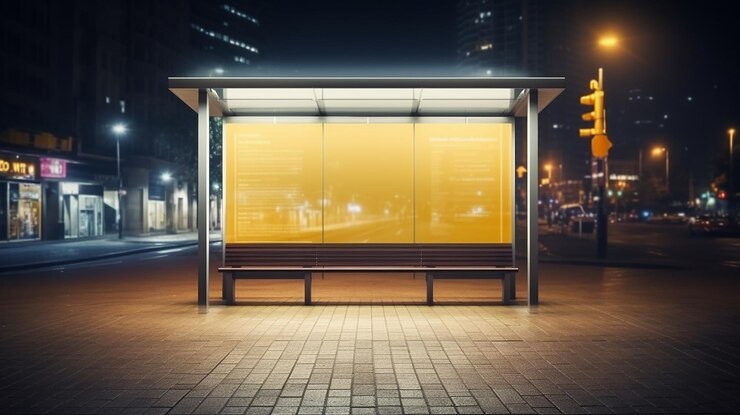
501, 37
224, 37
71, 71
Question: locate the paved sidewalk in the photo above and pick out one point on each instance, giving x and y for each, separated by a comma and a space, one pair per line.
53, 253
602, 341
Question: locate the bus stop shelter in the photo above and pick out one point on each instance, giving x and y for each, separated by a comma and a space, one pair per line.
370, 100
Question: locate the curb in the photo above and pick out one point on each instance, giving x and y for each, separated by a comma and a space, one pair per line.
37, 265
606, 263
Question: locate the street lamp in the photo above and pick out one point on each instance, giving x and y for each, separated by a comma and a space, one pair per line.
730, 186
609, 41
548, 167
119, 130
166, 177
657, 151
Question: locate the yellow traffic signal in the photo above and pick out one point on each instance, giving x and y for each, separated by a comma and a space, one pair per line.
595, 99
600, 146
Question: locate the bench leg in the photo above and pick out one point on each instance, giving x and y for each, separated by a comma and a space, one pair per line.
430, 289
307, 288
506, 287
512, 292
228, 288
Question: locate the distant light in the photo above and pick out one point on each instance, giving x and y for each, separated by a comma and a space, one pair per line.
215, 186
690, 98
166, 177
608, 41
219, 71
658, 151
119, 129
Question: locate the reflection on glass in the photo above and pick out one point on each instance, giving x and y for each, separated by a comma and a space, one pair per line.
368, 183
273, 182
463, 183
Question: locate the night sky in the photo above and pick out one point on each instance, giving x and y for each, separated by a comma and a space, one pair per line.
673, 49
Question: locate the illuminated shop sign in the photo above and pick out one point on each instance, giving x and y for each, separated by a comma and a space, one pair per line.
18, 168
53, 168
624, 177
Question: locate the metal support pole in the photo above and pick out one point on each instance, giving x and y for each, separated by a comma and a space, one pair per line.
667, 171
203, 193
120, 185
731, 184
512, 293
601, 220
532, 199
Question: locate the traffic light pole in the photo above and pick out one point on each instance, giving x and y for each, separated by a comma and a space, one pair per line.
601, 219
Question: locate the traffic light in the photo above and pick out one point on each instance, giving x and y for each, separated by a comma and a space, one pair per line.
595, 99
600, 143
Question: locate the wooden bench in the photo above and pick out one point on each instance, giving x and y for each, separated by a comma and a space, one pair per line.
436, 261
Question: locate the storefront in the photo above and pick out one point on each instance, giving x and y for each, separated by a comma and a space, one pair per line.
82, 210
73, 205
20, 198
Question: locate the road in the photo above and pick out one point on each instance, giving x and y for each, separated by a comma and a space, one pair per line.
673, 242
650, 244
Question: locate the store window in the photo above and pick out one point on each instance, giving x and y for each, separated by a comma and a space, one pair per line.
24, 211
3, 211
82, 210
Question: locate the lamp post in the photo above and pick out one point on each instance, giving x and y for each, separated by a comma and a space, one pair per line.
166, 177
657, 151
730, 183
119, 130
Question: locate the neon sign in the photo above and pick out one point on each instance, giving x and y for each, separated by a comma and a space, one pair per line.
17, 168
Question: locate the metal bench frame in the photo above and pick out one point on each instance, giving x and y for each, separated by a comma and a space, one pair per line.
436, 261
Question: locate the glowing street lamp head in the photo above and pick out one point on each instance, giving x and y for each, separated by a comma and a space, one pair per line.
548, 167
731, 131
658, 151
166, 177
119, 129
608, 41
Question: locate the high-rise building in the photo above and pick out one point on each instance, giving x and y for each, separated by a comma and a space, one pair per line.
501, 37
224, 37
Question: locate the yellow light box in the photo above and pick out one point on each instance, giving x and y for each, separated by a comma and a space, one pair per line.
463, 176
272, 182
368, 183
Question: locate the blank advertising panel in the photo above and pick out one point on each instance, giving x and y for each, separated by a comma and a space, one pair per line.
272, 183
368, 183
463, 183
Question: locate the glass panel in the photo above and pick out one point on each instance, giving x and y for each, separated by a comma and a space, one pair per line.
368, 183
463, 183
273, 182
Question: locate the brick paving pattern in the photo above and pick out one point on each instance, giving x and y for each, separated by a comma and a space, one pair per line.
130, 343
